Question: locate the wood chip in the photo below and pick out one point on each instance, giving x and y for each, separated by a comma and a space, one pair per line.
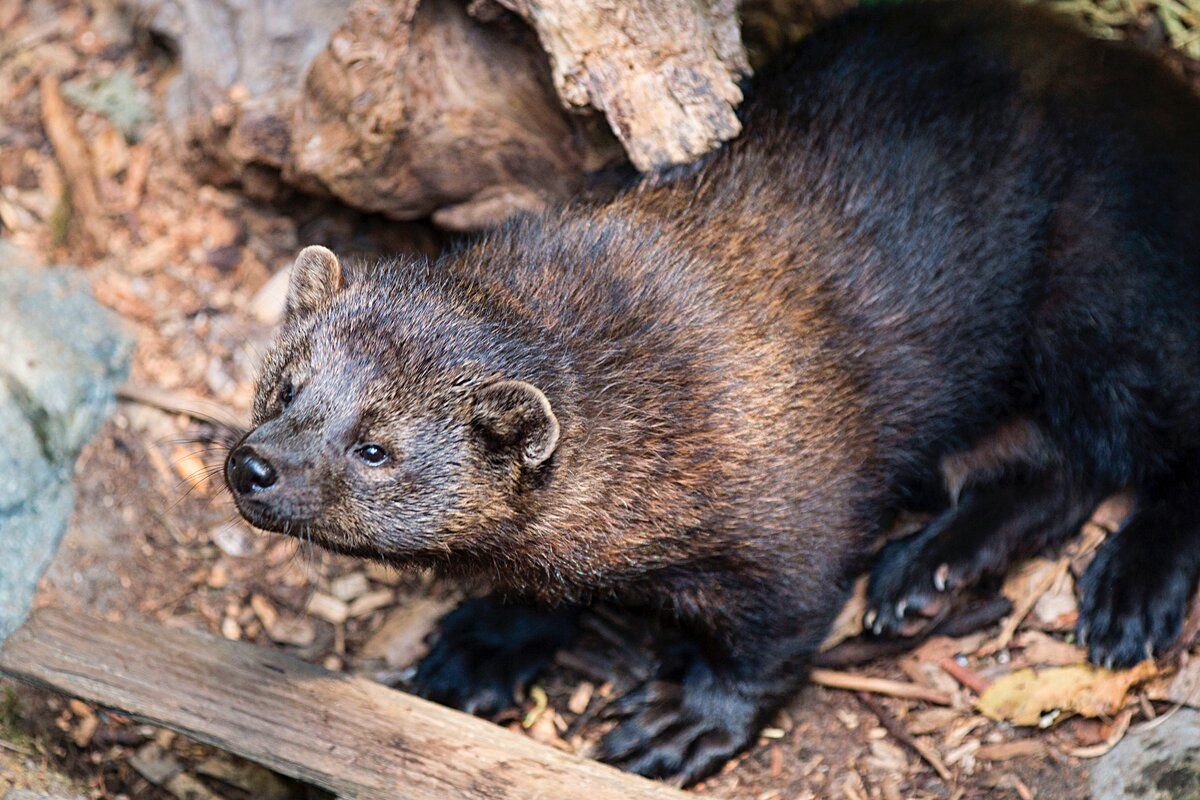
295, 631
1005, 751
328, 608
400, 641
371, 601
268, 302
85, 730
349, 587
921, 747
189, 465
230, 629
265, 611
931, 720
233, 538
581, 697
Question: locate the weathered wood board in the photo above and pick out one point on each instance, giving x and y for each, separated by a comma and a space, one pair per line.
351, 736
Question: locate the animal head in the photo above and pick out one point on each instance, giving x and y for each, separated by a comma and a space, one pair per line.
396, 415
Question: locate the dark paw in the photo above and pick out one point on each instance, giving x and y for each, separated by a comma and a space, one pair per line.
909, 585
680, 732
487, 651
1132, 606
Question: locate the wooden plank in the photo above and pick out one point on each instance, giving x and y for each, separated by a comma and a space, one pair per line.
353, 737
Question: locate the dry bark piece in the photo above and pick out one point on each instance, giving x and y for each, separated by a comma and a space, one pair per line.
416, 108
403, 107
667, 102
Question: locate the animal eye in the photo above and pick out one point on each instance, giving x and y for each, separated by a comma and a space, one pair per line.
287, 393
372, 454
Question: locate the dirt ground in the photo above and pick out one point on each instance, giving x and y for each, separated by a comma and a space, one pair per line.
187, 266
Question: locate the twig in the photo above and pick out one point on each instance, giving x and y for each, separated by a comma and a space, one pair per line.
967, 677
15, 748
1022, 609
893, 726
72, 152
1120, 726
194, 406
861, 683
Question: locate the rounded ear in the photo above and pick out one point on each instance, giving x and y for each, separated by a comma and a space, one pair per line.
516, 413
316, 278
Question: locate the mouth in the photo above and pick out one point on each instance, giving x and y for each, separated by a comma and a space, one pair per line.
263, 517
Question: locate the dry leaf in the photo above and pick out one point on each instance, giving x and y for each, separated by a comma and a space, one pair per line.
1041, 698
849, 622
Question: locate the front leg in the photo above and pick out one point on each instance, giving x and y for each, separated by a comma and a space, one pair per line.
489, 648
711, 699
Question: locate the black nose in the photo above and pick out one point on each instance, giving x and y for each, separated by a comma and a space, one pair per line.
248, 472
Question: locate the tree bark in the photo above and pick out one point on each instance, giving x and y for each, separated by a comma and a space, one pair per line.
466, 112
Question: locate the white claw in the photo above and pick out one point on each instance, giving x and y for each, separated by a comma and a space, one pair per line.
901, 607
941, 577
869, 618
1149, 649
877, 628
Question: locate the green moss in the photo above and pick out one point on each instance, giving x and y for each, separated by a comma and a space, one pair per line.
60, 220
12, 724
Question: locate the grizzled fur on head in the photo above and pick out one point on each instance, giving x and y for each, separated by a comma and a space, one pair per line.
394, 416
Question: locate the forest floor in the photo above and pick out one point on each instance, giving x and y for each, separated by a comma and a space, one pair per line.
188, 267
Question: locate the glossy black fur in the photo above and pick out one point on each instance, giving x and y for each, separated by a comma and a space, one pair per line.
942, 219
489, 648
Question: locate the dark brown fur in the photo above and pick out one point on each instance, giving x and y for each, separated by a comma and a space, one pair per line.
942, 218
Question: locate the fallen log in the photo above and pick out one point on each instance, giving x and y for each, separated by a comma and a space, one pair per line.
348, 735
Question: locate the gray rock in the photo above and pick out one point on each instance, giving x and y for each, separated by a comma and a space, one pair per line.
1158, 763
61, 356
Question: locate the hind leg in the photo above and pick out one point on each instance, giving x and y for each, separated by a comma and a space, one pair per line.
1135, 593
994, 522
